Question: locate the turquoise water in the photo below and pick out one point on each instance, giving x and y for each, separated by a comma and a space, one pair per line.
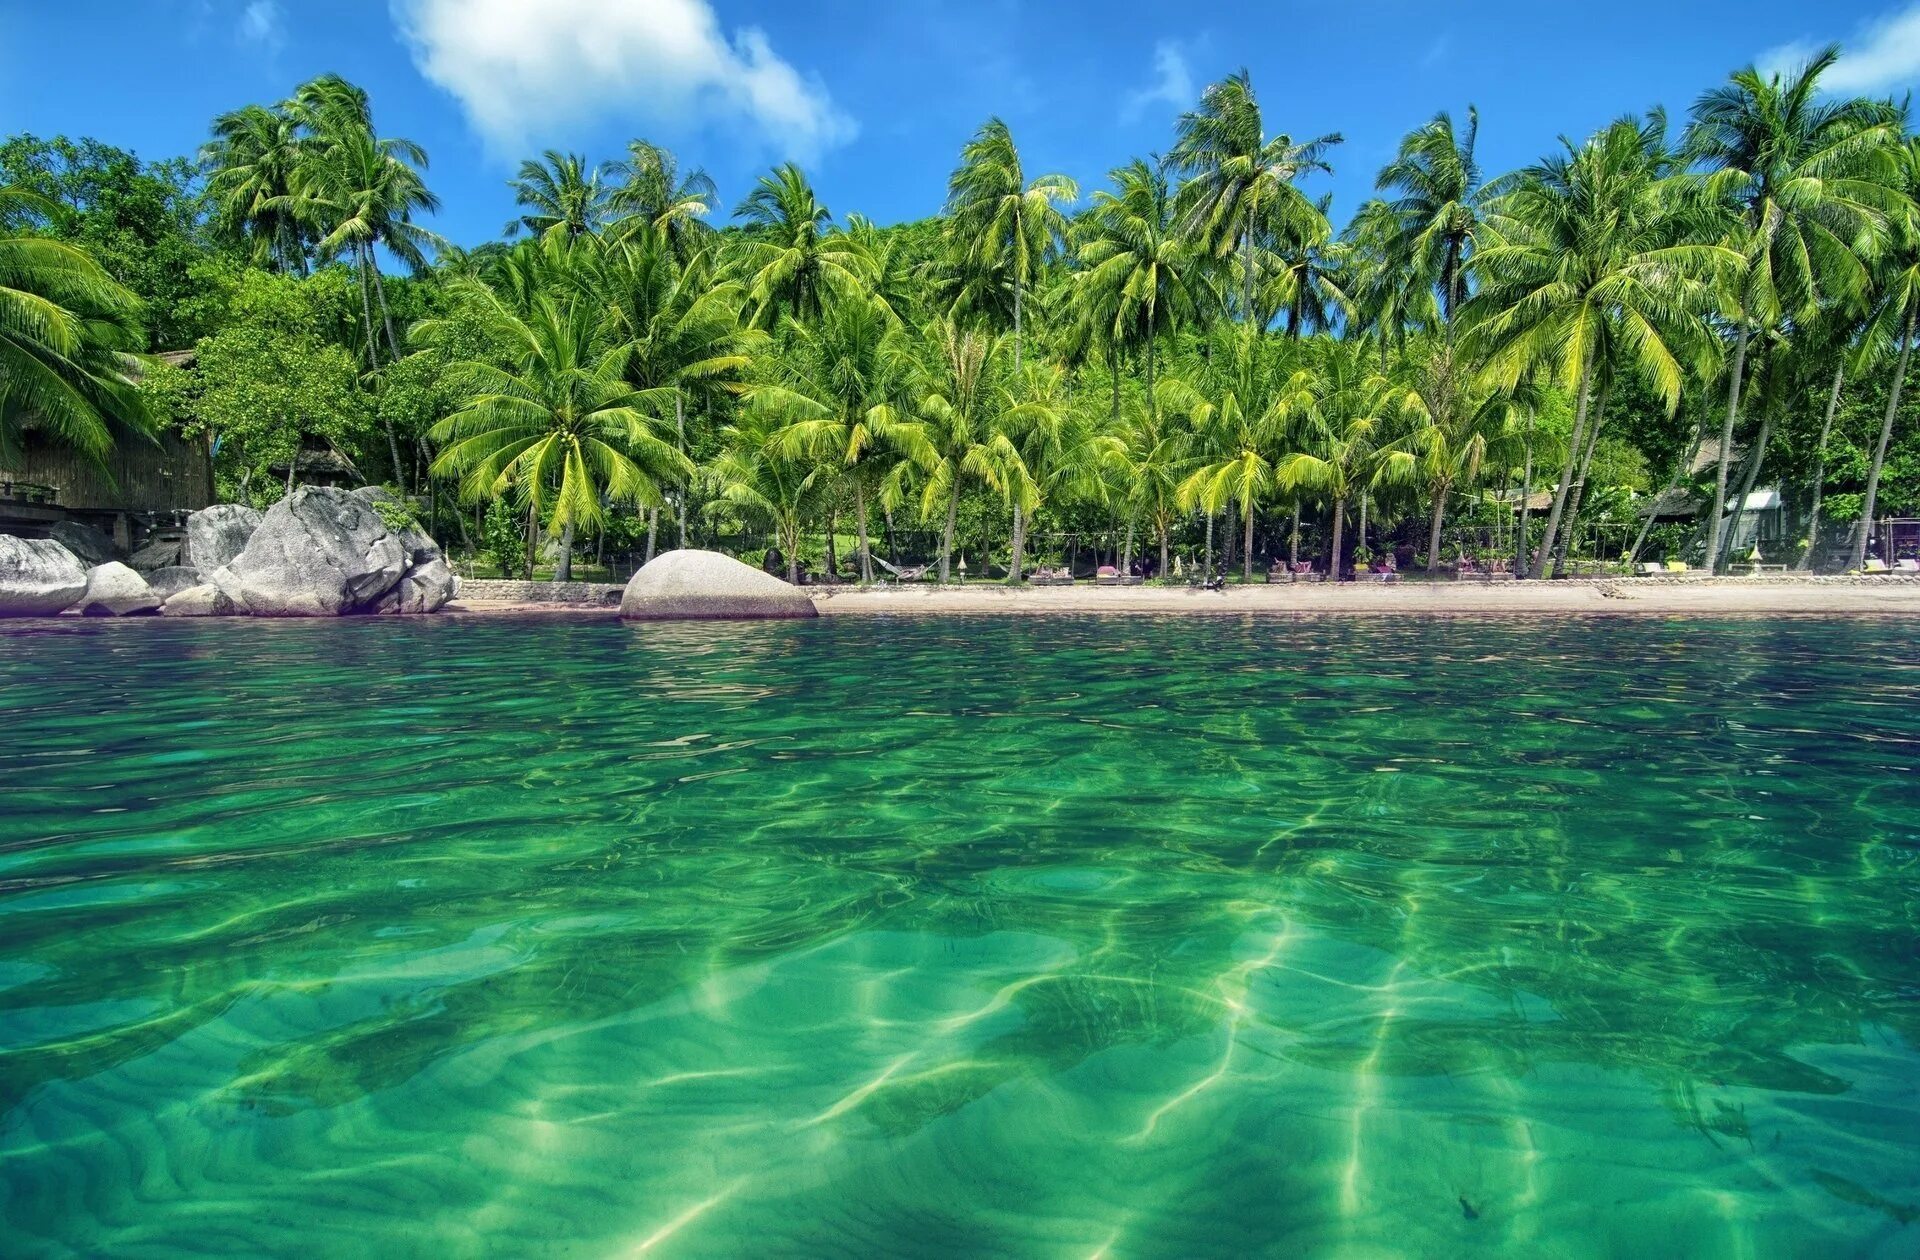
1059, 937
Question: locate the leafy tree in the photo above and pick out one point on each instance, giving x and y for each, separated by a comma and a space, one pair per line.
67, 333
1001, 227
795, 263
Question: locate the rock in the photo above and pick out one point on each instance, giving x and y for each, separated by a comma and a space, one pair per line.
89, 545
173, 579
158, 553
319, 552
215, 535
705, 585
114, 590
202, 601
38, 577
428, 582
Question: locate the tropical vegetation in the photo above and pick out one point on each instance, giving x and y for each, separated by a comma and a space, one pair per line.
1190, 367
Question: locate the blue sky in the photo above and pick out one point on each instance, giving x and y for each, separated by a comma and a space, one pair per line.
876, 98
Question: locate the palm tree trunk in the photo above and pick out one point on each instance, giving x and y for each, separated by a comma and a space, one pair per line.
1126, 555
1019, 545
1017, 334
833, 560
1880, 451
1679, 474
1206, 567
1526, 493
789, 530
1364, 498
563, 564
680, 444
1246, 271
373, 358
946, 536
1246, 560
1433, 526
386, 316
1752, 474
1716, 528
1579, 488
1559, 508
533, 522
1339, 528
860, 520
653, 532
1293, 544
1820, 467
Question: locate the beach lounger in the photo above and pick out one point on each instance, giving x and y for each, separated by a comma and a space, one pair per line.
1107, 575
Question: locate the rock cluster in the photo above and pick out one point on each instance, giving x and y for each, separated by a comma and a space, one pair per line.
690, 585
319, 552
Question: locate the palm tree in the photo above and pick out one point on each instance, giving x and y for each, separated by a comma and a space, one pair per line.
1051, 447
1242, 183
68, 337
958, 397
1002, 228
559, 193
1137, 275
683, 328
1435, 183
845, 378
253, 163
1153, 460
1459, 421
1809, 181
1241, 419
1343, 412
760, 473
1593, 257
1310, 276
796, 263
1892, 324
1386, 298
559, 427
652, 191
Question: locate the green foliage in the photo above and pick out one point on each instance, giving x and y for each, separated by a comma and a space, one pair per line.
503, 535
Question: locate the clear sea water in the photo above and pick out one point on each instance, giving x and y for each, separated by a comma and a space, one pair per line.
984, 937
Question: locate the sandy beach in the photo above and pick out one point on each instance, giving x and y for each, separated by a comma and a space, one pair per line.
1717, 597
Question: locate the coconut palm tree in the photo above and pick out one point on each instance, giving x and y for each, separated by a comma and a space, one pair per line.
959, 396
1434, 183
253, 163
1137, 275
559, 193
1343, 414
1895, 311
1385, 298
1241, 416
1001, 228
796, 262
688, 349
760, 473
1154, 457
68, 339
1059, 449
1594, 257
1309, 277
559, 427
1242, 181
654, 192
1810, 183
840, 395
1460, 421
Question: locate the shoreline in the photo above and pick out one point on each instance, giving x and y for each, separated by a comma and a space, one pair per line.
1705, 597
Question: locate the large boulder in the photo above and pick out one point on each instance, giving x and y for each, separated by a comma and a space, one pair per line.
693, 585
89, 545
38, 577
428, 582
173, 579
215, 535
114, 590
202, 601
319, 552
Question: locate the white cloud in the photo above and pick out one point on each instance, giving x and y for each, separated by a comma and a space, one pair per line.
1172, 83
1880, 55
262, 23
522, 68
